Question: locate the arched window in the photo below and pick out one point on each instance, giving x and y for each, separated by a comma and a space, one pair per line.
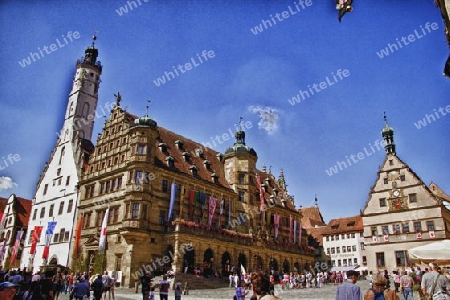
63, 150
85, 111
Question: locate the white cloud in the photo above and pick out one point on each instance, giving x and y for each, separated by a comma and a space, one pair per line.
6, 183
268, 116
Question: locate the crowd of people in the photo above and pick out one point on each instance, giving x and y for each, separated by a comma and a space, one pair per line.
51, 284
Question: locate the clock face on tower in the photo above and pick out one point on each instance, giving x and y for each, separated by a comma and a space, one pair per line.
396, 193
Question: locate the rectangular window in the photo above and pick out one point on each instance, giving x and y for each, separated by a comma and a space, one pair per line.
354, 248
355, 261
56, 238
45, 189
87, 192
50, 212
353, 235
380, 259
349, 248
338, 250
405, 228
374, 231
61, 235
327, 238
87, 220
344, 249
337, 237
118, 262
385, 230
127, 211
328, 251
333, 250
417, 226
61, 208
91, 194
144, 211
402, 177
110, 216
386, 181
400, 258
165, 188
113, 185
135, 210
241, 178
412, 198
430, 225
102, 187
396, 228
138, 178
107, 187
362, 246
339, 263
119, 183
70, 206
66, 236
332, 237
382, 202
140, 149
241, 196
100, 215
364, 259
34, 214
116, 215
162, 217
67, 180
343, 236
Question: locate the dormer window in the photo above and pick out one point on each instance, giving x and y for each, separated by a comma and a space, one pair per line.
206, 163
170, 161
215, 178
186, 156
275, 191
193, 170
283, 201
219, 156
179, 144
162, 147
272, 199
199, 152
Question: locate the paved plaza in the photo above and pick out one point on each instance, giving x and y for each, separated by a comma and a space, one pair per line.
327, 292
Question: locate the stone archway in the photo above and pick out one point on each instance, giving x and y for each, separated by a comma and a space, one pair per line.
226, 263
286, 266
258, 262
242, 260
273, 264
208, 262
189, 261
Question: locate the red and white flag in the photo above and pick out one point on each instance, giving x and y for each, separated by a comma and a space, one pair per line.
16, 247
35, 238
386, 238
48, 238
432, 235
212, 209
375, 239
102, 241
419, 235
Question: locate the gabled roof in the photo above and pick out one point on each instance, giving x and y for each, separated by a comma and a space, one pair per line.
311, 217
23, 211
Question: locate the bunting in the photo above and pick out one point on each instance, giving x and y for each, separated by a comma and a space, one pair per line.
276, 224
15, 247
212, 208
35, 238
173, 191
48, 238
77, 237
191, 204
102, 241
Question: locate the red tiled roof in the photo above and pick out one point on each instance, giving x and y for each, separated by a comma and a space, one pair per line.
317, 233
345, 225
311, 217
3, 202
23, 210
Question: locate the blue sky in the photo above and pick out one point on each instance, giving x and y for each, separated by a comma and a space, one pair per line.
250, 75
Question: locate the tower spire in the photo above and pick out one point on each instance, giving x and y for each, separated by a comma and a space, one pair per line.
388, 136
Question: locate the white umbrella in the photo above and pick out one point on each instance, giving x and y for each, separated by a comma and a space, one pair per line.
438, 252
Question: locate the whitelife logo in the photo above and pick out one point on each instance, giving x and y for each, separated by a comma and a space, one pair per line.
53, 47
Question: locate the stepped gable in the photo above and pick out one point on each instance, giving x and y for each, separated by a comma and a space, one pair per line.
345, 225
311, 217
193, 150
273, 192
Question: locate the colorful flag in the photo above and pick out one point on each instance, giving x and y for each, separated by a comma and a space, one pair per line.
15, 247
374, 239
173, 190
229, 212
295, 231
102, 241
261, 194
48, 238
77, 237
222, 203
36, 234
291, 228
276, 224
212, 209
300, 233
386, 238
431, 233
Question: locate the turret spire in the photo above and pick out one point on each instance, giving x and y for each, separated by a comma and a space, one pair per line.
388, 136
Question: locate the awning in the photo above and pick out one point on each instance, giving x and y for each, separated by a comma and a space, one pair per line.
361, 269
342, 269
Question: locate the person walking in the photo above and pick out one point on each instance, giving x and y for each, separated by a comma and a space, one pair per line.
106, 285
379, 290
349, 290
240, 291
80, 290
433, 283
261, 286
112, 284
97, 287
146, 283
164, 286
406, 284
178, 291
